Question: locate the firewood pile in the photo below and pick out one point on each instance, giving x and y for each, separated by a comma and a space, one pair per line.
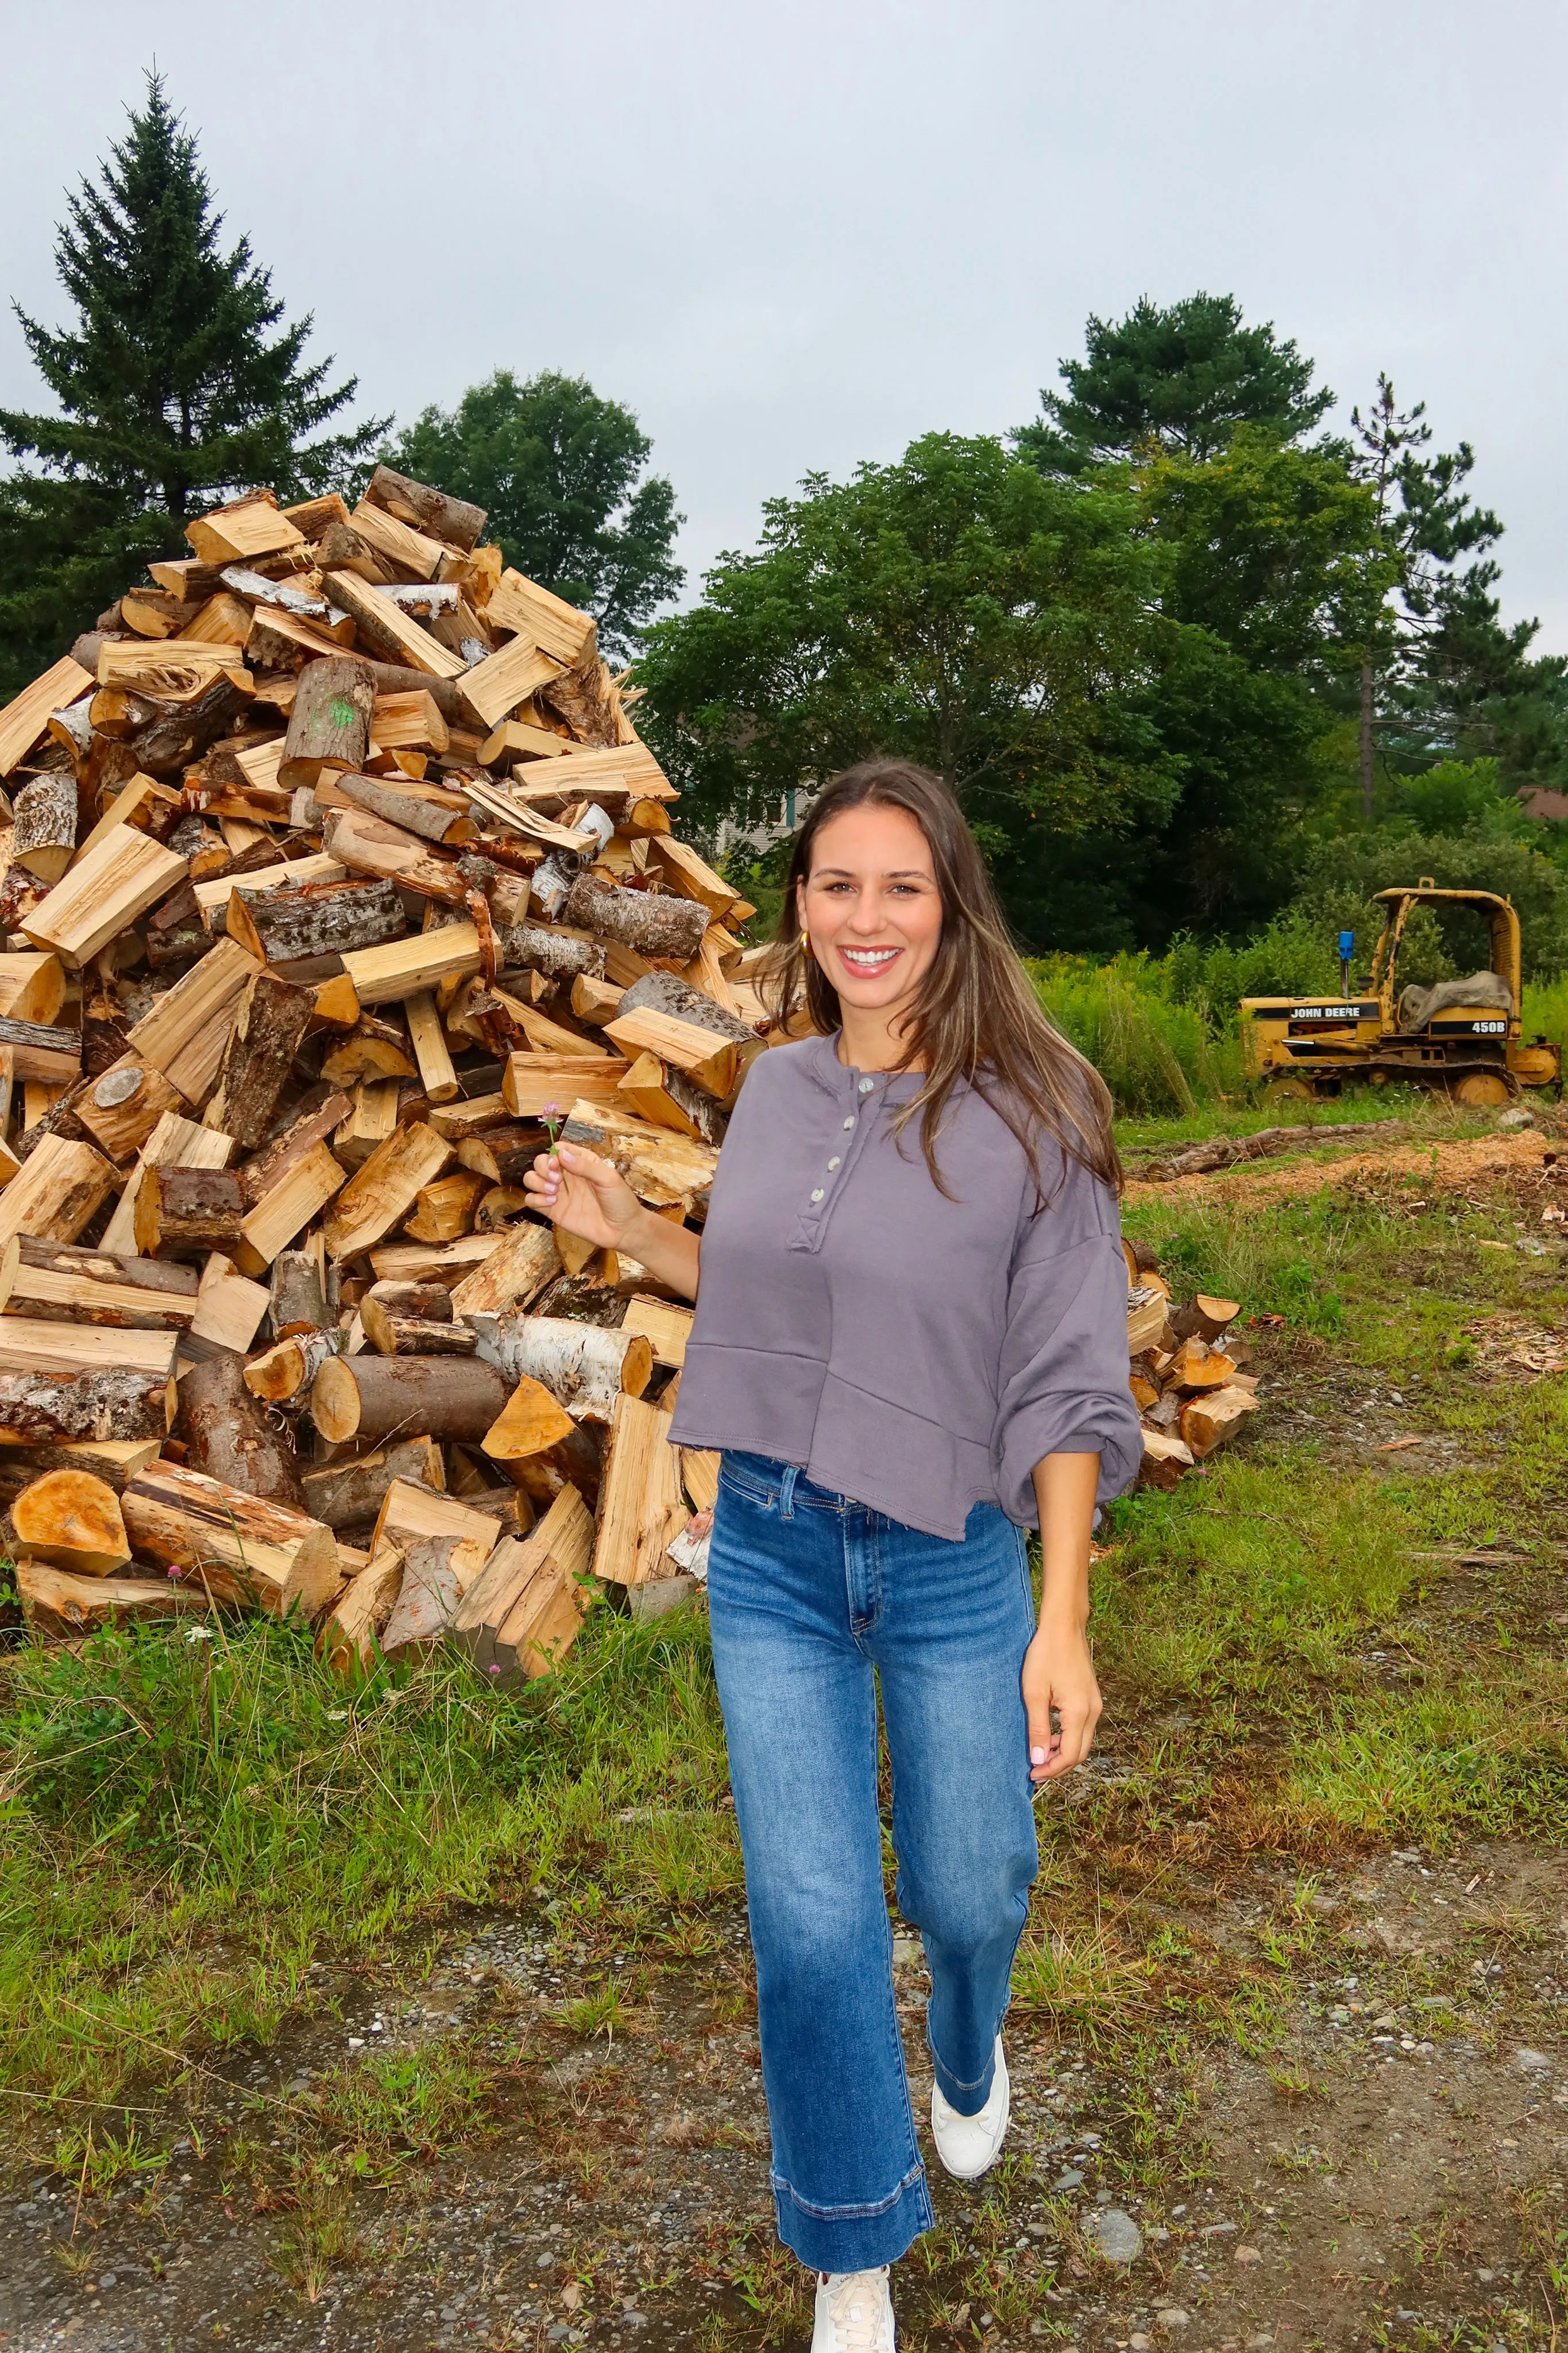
1189, 1370
337, 882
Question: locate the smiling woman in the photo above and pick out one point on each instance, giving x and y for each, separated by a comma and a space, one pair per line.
908, 1356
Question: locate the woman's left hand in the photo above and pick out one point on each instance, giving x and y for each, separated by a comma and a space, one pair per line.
1059, 1674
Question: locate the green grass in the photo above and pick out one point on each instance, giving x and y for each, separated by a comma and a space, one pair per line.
185, 1826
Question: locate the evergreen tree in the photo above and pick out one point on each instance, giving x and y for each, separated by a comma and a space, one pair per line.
1180, 379
173, 387
560, 473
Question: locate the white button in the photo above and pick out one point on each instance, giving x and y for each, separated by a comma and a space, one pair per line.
834, 1162
818, 1195
866, 1085
850, 1121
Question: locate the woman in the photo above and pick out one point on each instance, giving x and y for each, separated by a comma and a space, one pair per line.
911, 1344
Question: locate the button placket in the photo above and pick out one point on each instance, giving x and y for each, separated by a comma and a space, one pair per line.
839, 1165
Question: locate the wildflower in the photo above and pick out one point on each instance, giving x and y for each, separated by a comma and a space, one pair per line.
197, 1633
555, 1118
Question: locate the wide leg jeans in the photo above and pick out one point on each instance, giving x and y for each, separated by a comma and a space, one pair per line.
812, 1599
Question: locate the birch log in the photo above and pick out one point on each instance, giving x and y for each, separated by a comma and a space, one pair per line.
585, 1368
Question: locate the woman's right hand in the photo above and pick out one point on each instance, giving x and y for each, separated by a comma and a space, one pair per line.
578, 1190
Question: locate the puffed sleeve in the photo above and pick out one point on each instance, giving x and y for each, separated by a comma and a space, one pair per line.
1062, 1386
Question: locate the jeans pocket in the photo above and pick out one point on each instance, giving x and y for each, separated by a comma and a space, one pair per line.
746, 1486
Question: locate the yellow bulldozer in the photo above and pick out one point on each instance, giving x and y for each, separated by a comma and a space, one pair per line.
1464, 1036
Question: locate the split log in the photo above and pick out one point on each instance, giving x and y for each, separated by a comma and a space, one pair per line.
502, 1156
384, 1191
114, 1461
113, 1402
241, 1547
297, 1196
662, 1168
373, 1049
328, 726
668, 992
412, 1511
347, 1639
436, 1074
56, 1283
427, 1302
174, 1143
510, 1618
510, 1274
390, 634
298, 1300
189, 1210
665, 1327
583, 1366
1146, 1311
662, 928
185, 1031
407, 1319
316, 919
404, 968
658, 1091
227, 1435
45, 815
431, 815
560, 956
371, 1122
350, 1495
1164, 1459
54, 1602
445, 1210
428, 1596
40, 1050
1195, 1367
229, 1309
269, 1028
595, 1002
125, 1103
311, 1127
587, 701
532, 1421
369, 845
1204, 1318
1207, 1422
73, 1521
62, 1185
641, 1507
506, 893
102, 895
434, 512
375, 1398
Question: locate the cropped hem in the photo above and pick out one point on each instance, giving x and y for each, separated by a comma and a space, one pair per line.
858, 2238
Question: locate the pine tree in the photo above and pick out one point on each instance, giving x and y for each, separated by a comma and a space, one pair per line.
176, 386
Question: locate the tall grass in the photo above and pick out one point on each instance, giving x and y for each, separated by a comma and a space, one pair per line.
1157, 1057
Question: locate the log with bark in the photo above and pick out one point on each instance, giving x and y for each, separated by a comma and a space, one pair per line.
1229, 1151
329, 726
661, 928
374, 1397
227, 1435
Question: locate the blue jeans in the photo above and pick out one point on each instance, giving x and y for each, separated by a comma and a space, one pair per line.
812, 1597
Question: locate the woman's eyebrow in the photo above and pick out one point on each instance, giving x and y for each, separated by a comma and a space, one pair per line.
894, 874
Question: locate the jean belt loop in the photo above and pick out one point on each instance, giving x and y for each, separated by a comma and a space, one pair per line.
786, 1493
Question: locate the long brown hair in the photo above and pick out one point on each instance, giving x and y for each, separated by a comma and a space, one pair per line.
977, 1018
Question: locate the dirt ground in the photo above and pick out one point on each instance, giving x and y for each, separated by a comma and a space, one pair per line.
1451, 1165
1394, 2176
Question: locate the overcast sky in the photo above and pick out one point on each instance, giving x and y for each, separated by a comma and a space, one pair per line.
791, 237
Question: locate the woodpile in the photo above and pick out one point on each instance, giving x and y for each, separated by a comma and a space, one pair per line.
1189, 1370
336, 879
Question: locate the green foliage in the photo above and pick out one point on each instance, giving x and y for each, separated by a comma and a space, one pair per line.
1341, 875
560, 473
1155, 1053
1182, 377
955, 607
172, 390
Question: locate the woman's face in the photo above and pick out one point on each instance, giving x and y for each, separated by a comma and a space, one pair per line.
871, 907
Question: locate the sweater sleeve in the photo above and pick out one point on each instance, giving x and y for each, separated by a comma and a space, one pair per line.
1063, 1387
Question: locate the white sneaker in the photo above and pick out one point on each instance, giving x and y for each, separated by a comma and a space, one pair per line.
854, 2312
968, 2145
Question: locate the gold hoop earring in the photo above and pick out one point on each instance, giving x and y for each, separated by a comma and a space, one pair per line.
805, 944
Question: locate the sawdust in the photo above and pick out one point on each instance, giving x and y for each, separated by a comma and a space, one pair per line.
1447, 1167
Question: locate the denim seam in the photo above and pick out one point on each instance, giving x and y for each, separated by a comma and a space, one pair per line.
753, 1492
913, 2179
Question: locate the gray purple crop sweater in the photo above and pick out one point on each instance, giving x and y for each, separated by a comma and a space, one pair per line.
918, 1354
